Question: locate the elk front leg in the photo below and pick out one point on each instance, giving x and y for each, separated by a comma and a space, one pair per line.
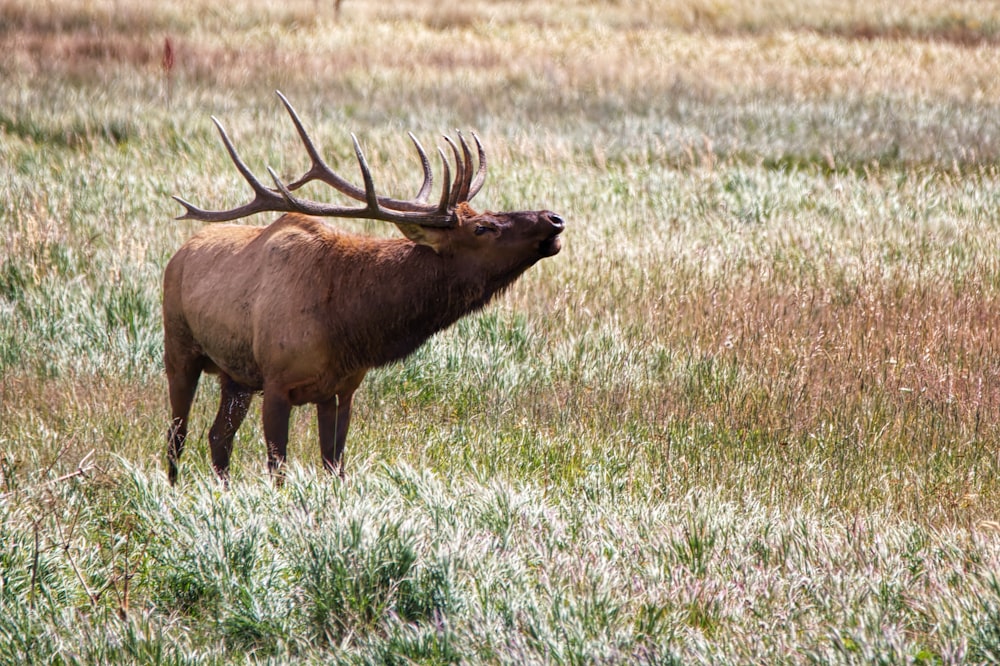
233, 405
334, 417
277, 407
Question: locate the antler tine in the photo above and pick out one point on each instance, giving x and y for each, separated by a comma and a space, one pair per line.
297, 204
456, 187
425, 188
241, 166
467, 160
445, 205
477, 182
319, 169
265, 199
366, 174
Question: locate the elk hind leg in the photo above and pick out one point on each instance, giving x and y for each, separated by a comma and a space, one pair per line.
234, 402
182, 381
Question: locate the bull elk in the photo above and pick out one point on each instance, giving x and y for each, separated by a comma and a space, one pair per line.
301, 311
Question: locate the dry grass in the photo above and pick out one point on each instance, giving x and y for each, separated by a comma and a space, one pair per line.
789, 52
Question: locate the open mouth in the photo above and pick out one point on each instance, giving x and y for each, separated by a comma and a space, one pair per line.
550, 246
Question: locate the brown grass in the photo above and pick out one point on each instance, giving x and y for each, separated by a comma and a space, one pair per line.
752, 49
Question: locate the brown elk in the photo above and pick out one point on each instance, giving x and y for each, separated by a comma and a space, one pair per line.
301, 311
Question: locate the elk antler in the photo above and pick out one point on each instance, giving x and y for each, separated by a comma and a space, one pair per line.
416, 211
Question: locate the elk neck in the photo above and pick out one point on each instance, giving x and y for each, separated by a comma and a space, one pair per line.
405, 293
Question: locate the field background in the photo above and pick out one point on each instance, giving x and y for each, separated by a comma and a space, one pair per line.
748, 415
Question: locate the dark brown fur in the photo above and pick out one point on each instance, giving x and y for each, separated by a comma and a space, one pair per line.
301, 311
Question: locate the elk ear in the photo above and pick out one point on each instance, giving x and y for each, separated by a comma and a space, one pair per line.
434, 237
464, 212
430, 236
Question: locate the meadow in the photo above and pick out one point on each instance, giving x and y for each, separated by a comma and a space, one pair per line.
750, 414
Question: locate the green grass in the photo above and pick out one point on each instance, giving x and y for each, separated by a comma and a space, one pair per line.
748, 415
400, 565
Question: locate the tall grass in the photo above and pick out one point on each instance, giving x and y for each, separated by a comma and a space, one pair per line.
748, 415
399, 565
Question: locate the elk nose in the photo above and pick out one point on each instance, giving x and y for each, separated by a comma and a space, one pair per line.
556, 221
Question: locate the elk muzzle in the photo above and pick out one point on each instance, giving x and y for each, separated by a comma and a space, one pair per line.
553, 243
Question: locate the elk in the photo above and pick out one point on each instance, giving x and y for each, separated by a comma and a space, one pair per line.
300, 311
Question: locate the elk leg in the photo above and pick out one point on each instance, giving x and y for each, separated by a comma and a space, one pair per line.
276, 410
182, 380
334, 417
234, 402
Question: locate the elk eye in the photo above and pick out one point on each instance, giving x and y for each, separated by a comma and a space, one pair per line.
482, 229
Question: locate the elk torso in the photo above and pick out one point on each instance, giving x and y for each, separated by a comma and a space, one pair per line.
356, 302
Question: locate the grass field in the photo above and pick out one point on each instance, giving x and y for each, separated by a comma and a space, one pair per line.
750, 414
